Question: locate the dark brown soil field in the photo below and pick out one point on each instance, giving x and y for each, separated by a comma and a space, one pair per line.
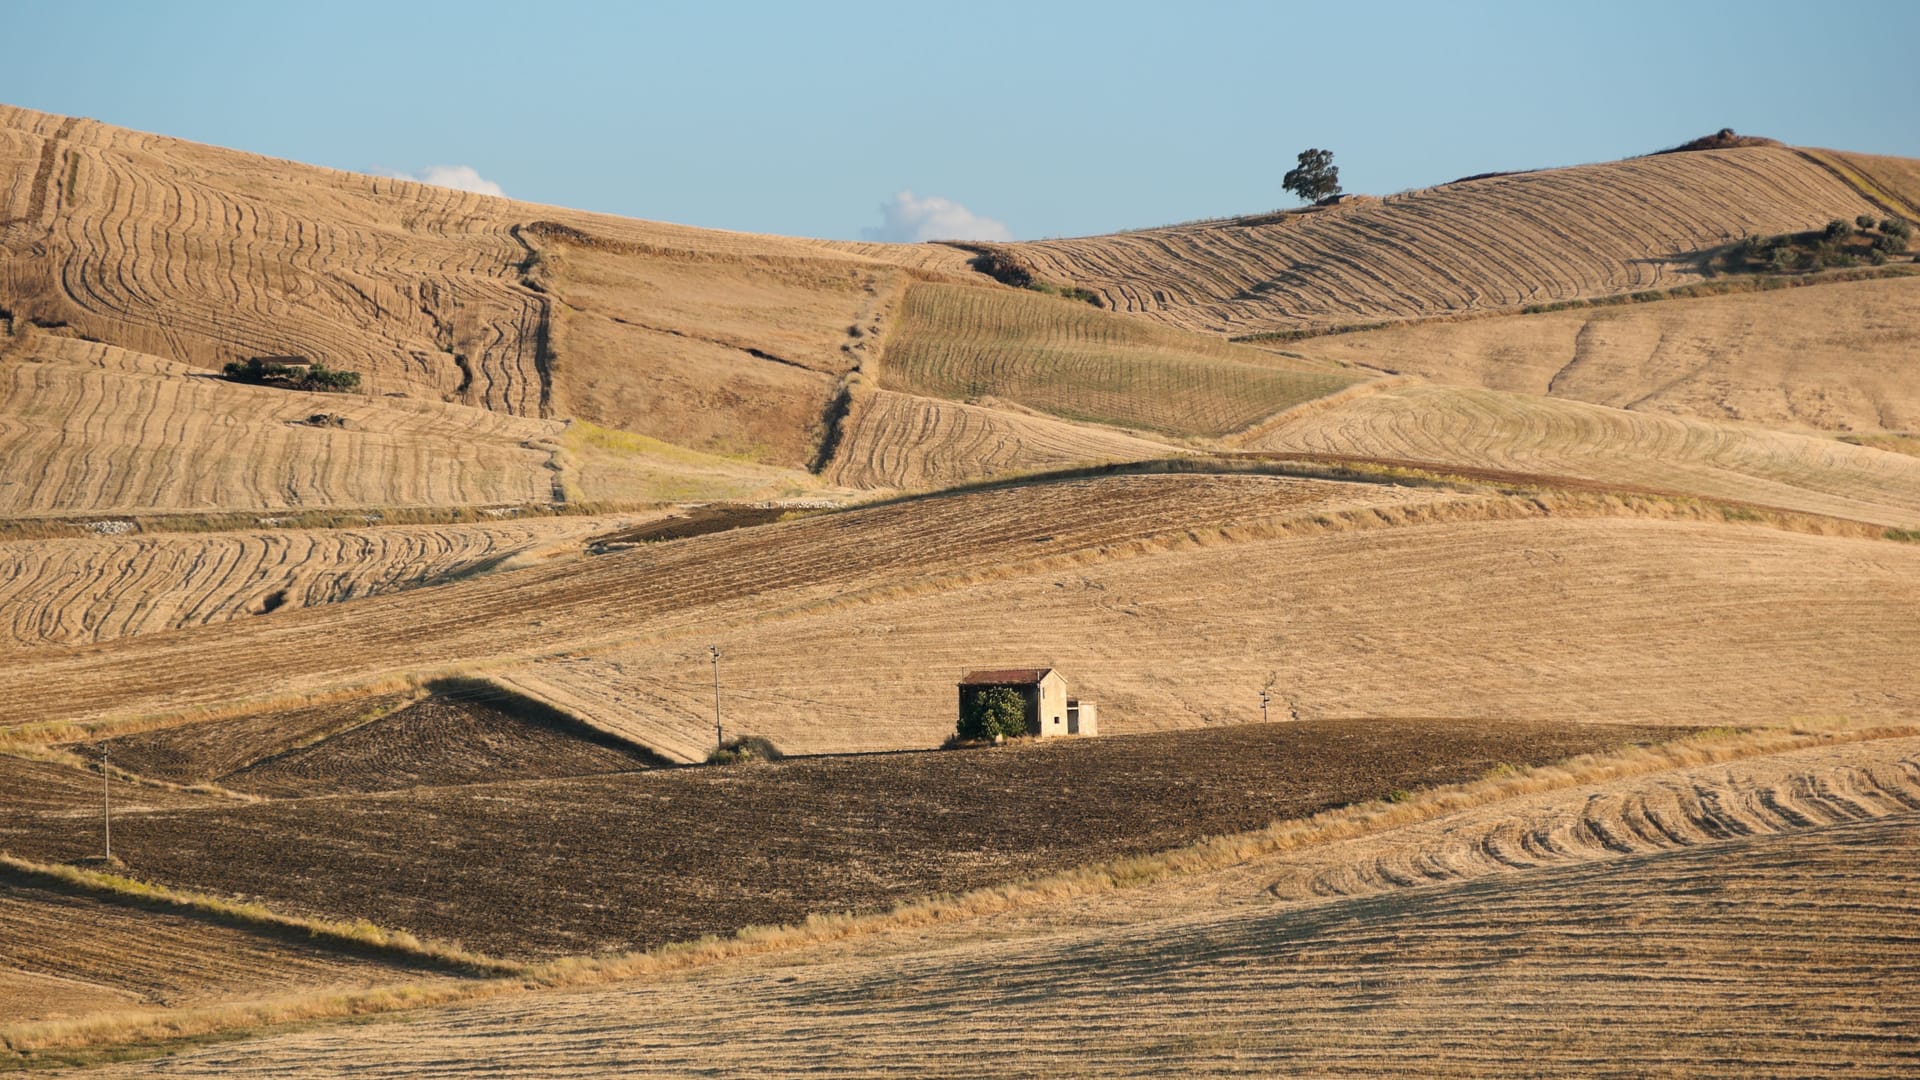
200, 753
553, 867
459, 736
436, 742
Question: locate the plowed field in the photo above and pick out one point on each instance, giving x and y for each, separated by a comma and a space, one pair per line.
645, 858
1488, 429
1502, 242
900, 441
1778, 892
965, 343
1832, 357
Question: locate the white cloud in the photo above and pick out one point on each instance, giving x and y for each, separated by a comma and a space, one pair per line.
909, 219
458, 177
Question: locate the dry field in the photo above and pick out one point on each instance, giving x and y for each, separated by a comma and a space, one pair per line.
1474, 428
109, 431
1647, 621
74, 591
1722, 920
967, 343
892, 440
909, 545
1367, 599
640, 859
1480, 245
65, 954
1892, 182
1830, 357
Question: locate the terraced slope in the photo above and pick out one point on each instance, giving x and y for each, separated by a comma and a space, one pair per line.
1600, 944
1833, 358
1487, 429
105, 430
1501, 242
60, 591
893, 440
1566, 620
966, 343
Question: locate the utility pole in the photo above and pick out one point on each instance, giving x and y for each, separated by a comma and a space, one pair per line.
719, 740
1264, 697
106, 800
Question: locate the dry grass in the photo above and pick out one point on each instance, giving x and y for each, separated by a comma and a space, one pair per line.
1832, 358
1504, 242
1074, 361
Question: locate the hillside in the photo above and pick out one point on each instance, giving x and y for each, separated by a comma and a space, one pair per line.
1832, 358
1489, 244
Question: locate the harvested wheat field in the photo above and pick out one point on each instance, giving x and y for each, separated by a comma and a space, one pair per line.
1441, 426
1832, 357
1776, 889
1474, 245
911, 545
1613, 619
60, 591
966, 343
114, 431
892, 440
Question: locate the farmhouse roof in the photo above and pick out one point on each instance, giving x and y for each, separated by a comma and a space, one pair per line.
1005, 677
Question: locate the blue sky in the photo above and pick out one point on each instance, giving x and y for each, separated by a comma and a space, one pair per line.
1040, 118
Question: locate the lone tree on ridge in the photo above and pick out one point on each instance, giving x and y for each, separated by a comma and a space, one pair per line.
1315, 178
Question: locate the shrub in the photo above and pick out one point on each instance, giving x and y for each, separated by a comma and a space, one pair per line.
742, 749
1876, 257
1889, 242
995, 712
1837, 230
1898, 227
1865, 221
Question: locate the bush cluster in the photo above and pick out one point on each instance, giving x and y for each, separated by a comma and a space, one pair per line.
997, 712
263, 371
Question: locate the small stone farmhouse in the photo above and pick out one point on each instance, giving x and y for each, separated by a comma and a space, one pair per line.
1050, 711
